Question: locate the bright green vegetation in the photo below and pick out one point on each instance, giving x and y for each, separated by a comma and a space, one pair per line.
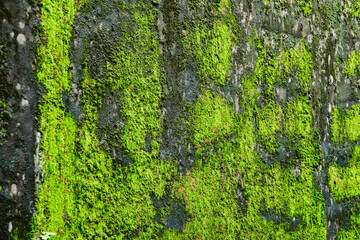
231, 191
211, 118
220, 5
208, 189
352, 7
275, 190
352, 64
353, 232
210, 47
84, 195
275, 70
346, 127
298, 129
355, 8
56, 200
305, 5
269, 126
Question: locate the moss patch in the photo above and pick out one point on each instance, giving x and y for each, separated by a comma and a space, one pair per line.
84, 194
295, 63
211, 118
281, 199
305, 5
352, 64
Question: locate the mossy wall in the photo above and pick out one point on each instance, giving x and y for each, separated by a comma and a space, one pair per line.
182, 119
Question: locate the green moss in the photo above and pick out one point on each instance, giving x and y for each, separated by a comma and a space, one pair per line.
269, 126
352, 7
352, 64
299, 131
220, 5
352, 123
353, 231
346, 124
336, 126
55, 201
305, 5
344, 182
84, 195
210, 201
3, 114
276, 190
210, 44
211, 118
211, 49
295, 63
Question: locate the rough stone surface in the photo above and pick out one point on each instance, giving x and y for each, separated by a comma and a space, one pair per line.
19, 89
98, 30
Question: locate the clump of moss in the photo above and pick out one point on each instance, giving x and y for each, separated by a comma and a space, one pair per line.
211, 49
352, 7
345, 127
269, 119
352, 64
278, 196
305, 5
3, 114
55, 201
84, 193
211, 118
295, 63
220, 5
353, 231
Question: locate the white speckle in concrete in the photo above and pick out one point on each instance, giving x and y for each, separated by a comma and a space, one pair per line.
21, 24
10, 227
13, 191
24, 103
310, 38
21, 39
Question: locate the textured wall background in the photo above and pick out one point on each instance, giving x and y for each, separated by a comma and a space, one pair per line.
174, 119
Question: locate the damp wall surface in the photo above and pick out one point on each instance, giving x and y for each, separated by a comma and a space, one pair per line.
19, 94
179, 119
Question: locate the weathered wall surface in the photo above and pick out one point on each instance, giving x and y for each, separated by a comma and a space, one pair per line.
19, 93
180, 119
